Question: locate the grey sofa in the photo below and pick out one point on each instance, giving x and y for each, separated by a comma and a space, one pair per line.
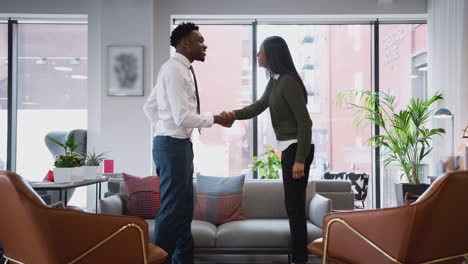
339, 191
266, 229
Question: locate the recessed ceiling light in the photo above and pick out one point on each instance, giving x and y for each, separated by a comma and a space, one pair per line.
308, 40
65, 69
424, 68
41, 61
79, 77
308, 66
75, 61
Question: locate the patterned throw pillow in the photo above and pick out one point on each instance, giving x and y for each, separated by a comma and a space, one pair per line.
143, 195
219, 199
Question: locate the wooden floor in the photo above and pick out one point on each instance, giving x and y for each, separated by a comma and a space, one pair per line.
248, 259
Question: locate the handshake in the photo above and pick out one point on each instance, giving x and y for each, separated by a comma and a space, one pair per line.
226, 119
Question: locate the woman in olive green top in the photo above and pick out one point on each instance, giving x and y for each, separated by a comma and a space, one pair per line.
286, 97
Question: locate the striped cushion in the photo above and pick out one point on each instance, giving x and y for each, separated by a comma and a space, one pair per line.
219, 199
143, 195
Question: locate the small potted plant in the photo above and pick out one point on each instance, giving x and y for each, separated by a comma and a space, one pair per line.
92, 162
267, 164
67, 166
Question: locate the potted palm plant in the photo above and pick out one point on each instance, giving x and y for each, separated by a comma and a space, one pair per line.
405, 141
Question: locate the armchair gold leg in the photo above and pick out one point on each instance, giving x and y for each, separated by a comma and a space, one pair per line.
358, 234
8, 259
394, 260
140, 230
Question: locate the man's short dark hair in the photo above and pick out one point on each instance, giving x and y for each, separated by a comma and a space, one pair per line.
182, 31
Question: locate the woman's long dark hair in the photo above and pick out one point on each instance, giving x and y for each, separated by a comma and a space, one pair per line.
279, 60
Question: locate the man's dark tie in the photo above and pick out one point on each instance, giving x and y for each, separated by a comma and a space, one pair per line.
196, 93
196, 89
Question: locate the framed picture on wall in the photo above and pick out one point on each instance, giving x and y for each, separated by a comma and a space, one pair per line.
125, 70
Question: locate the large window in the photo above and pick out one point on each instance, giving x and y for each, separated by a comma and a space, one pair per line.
326, 67
329, 58
225, 83
3, 94
52, 90
403, 73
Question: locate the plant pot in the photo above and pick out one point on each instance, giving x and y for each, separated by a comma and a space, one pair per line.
63, 175
78, 174
90, 172
75, 174
402, 188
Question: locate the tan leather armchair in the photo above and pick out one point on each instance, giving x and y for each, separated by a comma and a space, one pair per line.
33, 233
434, 229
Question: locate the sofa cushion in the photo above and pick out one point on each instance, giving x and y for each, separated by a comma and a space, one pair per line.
259, 233
264, 199
219, 199
332, 186
203, 233
150, 229
340, 200
339, 191
143, 195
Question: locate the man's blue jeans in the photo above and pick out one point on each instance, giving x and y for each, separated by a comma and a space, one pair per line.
174, 165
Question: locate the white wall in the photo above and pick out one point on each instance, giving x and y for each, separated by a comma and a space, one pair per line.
124, 129
115, 124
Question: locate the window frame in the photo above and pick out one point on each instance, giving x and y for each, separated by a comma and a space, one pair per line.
374, 20
12, 97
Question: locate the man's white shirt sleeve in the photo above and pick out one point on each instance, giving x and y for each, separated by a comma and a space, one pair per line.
151, 107
172, 106
179, 91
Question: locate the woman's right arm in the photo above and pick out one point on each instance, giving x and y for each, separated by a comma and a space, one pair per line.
256, 108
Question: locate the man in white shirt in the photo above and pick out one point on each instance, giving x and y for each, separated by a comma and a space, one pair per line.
173, 108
